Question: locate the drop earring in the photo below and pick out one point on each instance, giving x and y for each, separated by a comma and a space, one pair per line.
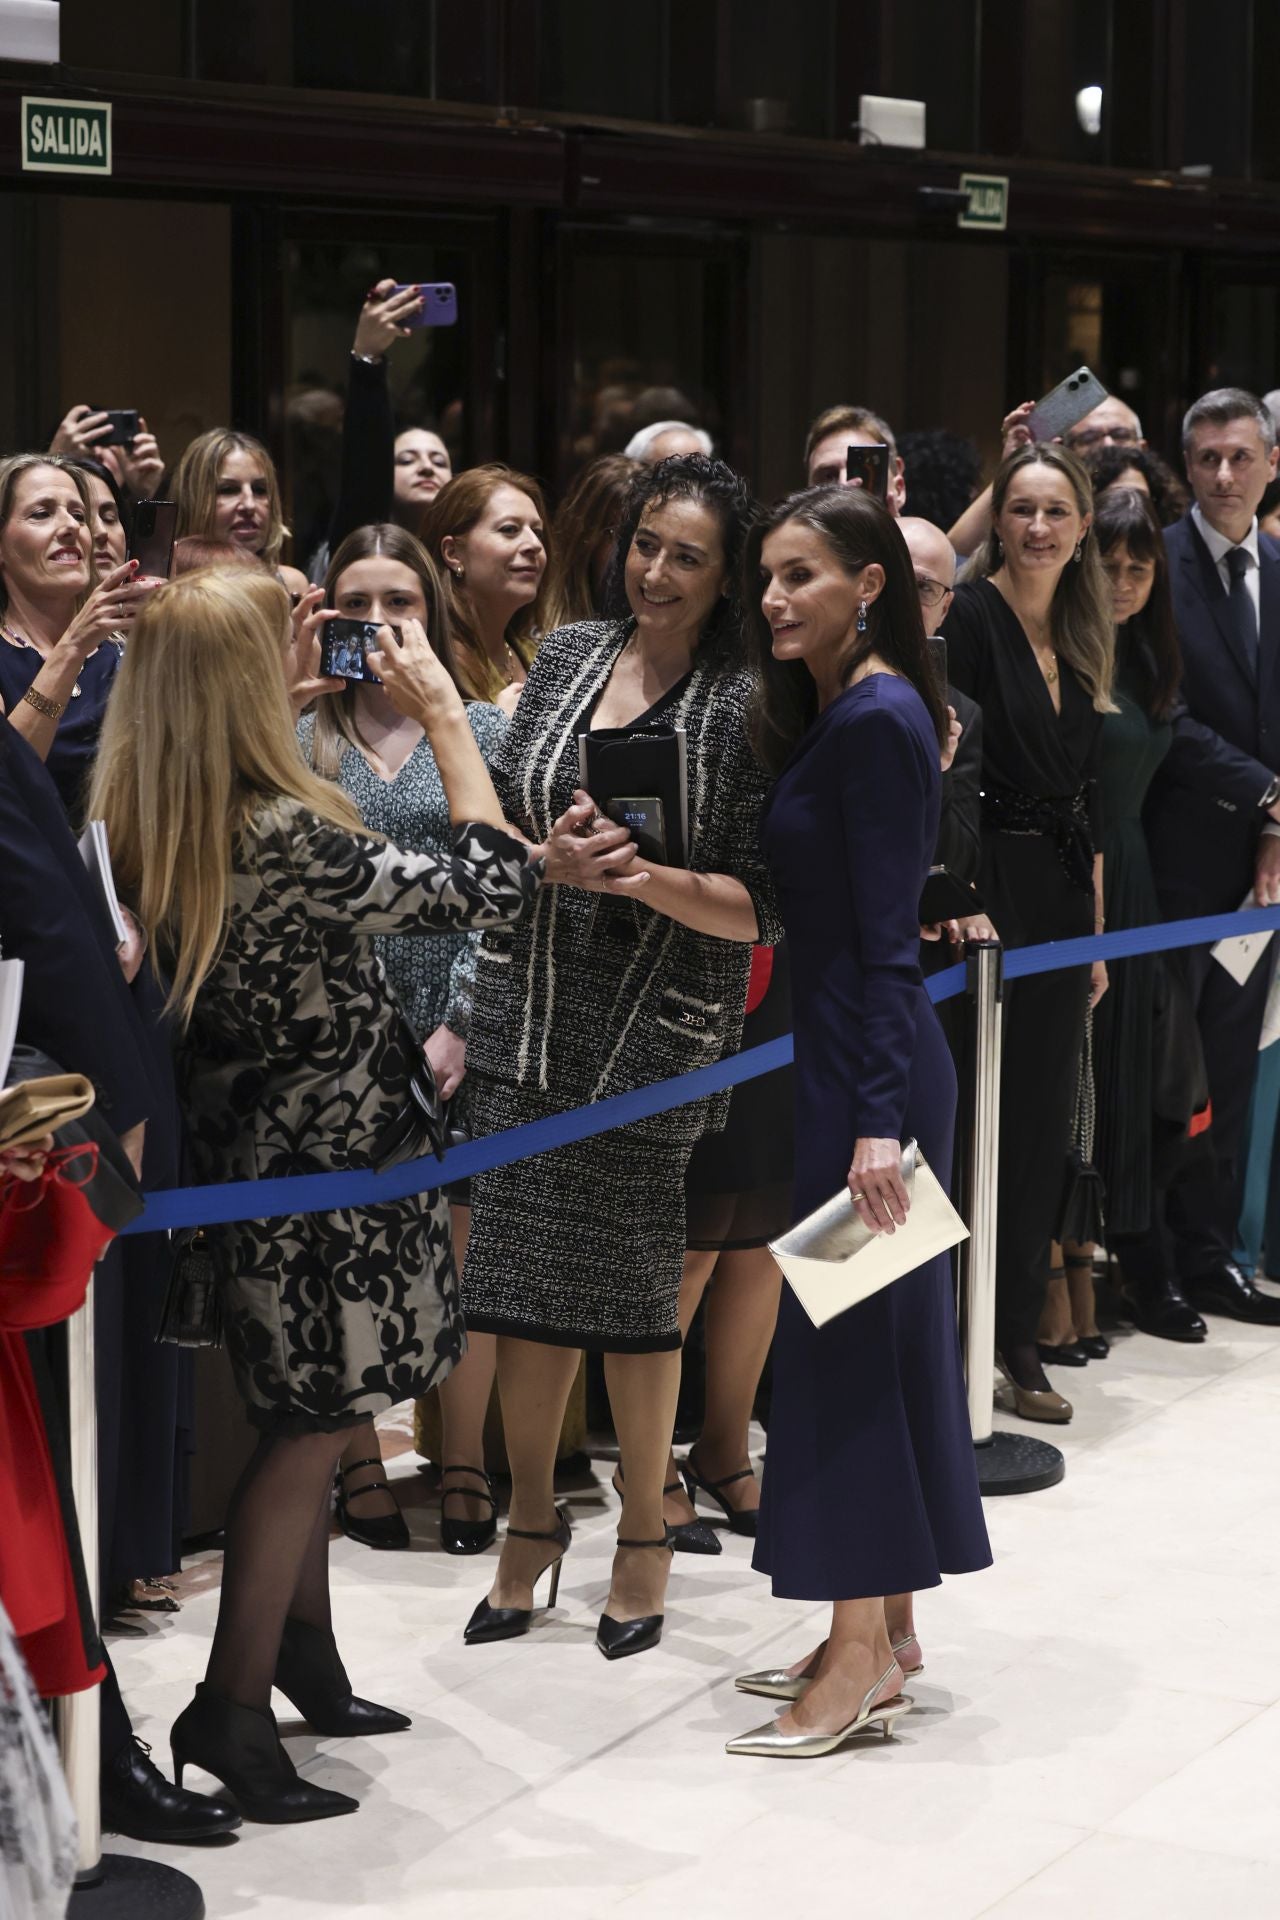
862, 616
459, 575
1080, 553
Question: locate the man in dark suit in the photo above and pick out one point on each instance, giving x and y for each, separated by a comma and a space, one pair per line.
1210, 823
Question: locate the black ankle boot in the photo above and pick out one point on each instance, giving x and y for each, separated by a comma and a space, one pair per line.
240, 1746
139, 1801
310, 1674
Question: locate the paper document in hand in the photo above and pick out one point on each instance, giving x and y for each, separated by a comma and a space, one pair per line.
96, 855
10, 1006
1241, 954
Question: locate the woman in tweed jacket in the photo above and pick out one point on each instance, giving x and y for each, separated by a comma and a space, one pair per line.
627, 974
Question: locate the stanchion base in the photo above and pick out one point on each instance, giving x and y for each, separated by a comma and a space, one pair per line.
133, 1889
1017, 1463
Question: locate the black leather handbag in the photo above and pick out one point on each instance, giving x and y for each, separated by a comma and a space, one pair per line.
418, 1126
192, 1311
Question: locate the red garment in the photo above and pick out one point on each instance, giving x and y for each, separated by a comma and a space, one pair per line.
760, 976
47, 1251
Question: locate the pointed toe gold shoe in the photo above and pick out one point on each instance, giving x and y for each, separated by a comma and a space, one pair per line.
769, 1744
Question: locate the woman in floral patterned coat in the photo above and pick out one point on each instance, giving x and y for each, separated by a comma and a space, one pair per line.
263, 892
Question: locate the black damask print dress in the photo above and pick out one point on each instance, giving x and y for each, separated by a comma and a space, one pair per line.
296, 1060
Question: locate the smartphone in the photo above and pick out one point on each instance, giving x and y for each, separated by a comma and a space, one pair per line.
124, 426
343, 650
1066, 406
937, 645
868, 467
644, 820
439, 303
155, 523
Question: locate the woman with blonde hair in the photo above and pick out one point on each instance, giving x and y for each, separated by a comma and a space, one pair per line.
582, 539
1030, 637
226, 489
382, 759
262, 891
487, 532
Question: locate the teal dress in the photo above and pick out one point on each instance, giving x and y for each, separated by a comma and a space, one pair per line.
1132, 747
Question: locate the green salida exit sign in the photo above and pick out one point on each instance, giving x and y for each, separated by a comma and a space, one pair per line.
988, 201
66, 136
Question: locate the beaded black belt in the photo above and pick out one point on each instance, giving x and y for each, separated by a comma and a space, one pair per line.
1065, 822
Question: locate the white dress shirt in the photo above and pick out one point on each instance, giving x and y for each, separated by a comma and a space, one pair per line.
1219, 547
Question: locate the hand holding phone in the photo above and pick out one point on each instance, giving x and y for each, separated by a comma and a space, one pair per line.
344, 647
1066, 405
155, 523
123, 422
868, 467
439, 303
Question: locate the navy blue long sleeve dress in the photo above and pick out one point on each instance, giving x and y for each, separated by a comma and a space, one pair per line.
869, 1482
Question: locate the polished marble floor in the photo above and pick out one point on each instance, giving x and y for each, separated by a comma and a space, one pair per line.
1097, 1733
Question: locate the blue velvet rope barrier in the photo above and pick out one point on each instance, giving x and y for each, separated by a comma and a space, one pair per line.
218, 1205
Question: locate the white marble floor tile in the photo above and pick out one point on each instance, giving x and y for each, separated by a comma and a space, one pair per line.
1097, 1732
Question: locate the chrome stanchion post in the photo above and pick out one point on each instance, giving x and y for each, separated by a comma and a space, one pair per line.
1007, 1462
108, 1886
78, 1715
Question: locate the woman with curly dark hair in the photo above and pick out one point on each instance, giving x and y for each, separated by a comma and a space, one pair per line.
1142, 471
583, 1247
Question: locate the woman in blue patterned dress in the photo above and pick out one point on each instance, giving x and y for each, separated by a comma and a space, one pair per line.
383, 760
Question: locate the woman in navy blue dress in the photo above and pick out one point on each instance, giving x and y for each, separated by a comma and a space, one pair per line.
870, 1490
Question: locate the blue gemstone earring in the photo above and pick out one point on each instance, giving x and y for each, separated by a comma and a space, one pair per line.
862, 616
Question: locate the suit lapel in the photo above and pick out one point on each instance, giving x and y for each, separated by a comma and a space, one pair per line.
1200, 572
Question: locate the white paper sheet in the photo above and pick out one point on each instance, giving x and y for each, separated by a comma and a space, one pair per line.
11, 972
96, 855
1241, 953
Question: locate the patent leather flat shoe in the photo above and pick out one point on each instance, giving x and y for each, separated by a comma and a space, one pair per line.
776, 1683
311, 1676
686, 1536
618, 1638
769, 1743
739, 1522
508, 1623
1095, 1346
241, 1747
137, 1800
1225, 1289
388, 1532
1072, 1355
1163, 1311
1031, 1403
468, 1536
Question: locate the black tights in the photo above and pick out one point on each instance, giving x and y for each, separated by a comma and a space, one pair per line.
276, 1561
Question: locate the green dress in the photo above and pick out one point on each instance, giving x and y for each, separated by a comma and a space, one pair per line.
1132, 747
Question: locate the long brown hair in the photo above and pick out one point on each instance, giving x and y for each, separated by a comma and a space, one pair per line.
1080, 614
335, 713
1127, 518
198, 737
455, 510
858, 529
195, 486
590, 513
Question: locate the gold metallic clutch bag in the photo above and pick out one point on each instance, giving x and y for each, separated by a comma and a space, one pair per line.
831, 1261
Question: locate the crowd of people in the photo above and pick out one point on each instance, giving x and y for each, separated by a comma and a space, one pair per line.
367, 911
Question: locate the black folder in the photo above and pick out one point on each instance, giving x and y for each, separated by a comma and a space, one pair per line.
648, 763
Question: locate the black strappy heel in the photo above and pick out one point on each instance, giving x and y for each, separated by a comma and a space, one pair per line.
507, 1623
617, 1638
687, 1536
388, 1531
739, 1522
468, 1536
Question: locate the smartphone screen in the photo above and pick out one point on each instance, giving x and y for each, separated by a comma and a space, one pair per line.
343, 650
155, 523
868, 467
439, 303
643, 818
